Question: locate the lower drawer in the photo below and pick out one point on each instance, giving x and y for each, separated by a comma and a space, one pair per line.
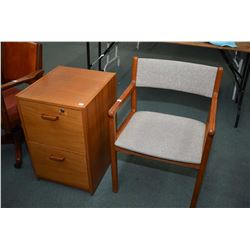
59, 165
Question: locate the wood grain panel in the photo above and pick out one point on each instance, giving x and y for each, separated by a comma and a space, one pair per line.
67, 86
98, 131
55, 164
65, 132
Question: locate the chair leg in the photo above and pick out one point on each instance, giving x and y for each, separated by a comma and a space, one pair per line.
114, 170
197, 186
18, 149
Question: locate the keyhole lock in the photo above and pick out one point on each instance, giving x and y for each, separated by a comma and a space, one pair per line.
61, 110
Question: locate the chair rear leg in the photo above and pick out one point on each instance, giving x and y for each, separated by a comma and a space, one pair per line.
114, 170
18, 149
197, 186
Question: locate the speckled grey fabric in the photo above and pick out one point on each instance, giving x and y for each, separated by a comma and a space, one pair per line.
165, 136
182, 76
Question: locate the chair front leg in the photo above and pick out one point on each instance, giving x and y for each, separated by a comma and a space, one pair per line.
197, 186
201, 171
112, 129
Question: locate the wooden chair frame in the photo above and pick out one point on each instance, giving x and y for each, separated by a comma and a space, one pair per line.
115, 132
15, 135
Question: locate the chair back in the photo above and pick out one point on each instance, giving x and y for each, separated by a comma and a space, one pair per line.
19, 59
175, 75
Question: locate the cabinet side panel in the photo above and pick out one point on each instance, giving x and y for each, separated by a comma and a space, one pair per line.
19, 106
98, 131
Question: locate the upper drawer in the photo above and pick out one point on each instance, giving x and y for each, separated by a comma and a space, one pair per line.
52, 125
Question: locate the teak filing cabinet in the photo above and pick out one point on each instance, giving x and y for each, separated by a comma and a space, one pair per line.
65, 121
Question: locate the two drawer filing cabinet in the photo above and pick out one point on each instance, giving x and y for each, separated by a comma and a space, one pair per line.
65, 121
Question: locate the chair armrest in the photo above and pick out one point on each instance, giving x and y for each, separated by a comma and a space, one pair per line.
113, 110
30, 78
212, 115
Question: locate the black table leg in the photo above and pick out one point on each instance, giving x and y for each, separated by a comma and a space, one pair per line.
88, 55
241, 90
236, 74
99, 55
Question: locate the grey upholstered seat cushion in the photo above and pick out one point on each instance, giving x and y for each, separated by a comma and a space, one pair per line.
164, 136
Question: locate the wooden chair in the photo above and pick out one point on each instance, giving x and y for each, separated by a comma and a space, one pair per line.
21, 63
172, 139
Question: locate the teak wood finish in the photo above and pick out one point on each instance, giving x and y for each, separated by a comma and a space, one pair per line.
115, 132
21, 62
64, 115
60, 165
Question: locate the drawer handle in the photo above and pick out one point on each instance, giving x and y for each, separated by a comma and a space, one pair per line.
49, 117
56, 158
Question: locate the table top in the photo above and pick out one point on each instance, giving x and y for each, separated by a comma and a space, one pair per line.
67, 86
241, 46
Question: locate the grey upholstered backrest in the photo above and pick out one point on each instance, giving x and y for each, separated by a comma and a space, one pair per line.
182, 76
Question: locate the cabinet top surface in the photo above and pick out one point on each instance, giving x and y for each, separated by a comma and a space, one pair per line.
67, 86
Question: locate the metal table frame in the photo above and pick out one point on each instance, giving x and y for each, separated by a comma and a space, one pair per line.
101, 55
241, 73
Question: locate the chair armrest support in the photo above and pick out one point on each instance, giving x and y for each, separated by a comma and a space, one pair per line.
212, 115
30, 78
113, 110
114, 131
